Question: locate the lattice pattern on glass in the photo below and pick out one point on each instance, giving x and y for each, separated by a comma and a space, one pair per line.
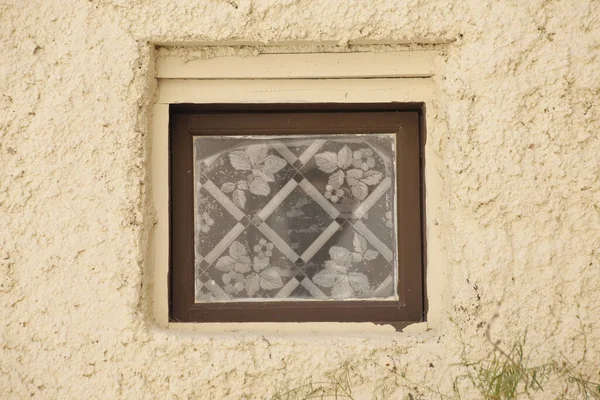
295, 217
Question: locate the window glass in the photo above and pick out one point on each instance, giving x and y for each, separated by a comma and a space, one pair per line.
304, 217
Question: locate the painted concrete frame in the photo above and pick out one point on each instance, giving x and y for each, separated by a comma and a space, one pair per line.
407, 76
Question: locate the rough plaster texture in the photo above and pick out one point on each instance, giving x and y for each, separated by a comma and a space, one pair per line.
519, 84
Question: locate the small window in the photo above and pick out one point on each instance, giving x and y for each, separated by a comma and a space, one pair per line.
296, 213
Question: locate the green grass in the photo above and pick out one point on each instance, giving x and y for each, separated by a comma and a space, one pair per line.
503, 374
337, 385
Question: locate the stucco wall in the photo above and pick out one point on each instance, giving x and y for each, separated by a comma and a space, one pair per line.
520, 220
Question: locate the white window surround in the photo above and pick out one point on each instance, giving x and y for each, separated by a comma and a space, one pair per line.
291, 78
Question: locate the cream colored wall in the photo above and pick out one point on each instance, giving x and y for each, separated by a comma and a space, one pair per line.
518, 218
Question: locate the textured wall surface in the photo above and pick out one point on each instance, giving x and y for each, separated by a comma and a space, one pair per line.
519, 84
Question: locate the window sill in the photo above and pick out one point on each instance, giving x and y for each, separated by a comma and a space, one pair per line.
296, 329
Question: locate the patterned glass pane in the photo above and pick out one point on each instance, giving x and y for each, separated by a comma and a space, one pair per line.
295, 217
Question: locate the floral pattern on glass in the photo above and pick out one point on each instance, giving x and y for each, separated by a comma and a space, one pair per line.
356, 179
309, 218
240, 273
263, 168
341, 273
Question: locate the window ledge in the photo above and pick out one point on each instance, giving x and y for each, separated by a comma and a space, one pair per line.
296, 328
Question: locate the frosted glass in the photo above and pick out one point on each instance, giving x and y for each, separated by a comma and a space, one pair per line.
295, 217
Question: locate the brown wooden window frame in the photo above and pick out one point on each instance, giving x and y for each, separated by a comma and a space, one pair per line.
405, 119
